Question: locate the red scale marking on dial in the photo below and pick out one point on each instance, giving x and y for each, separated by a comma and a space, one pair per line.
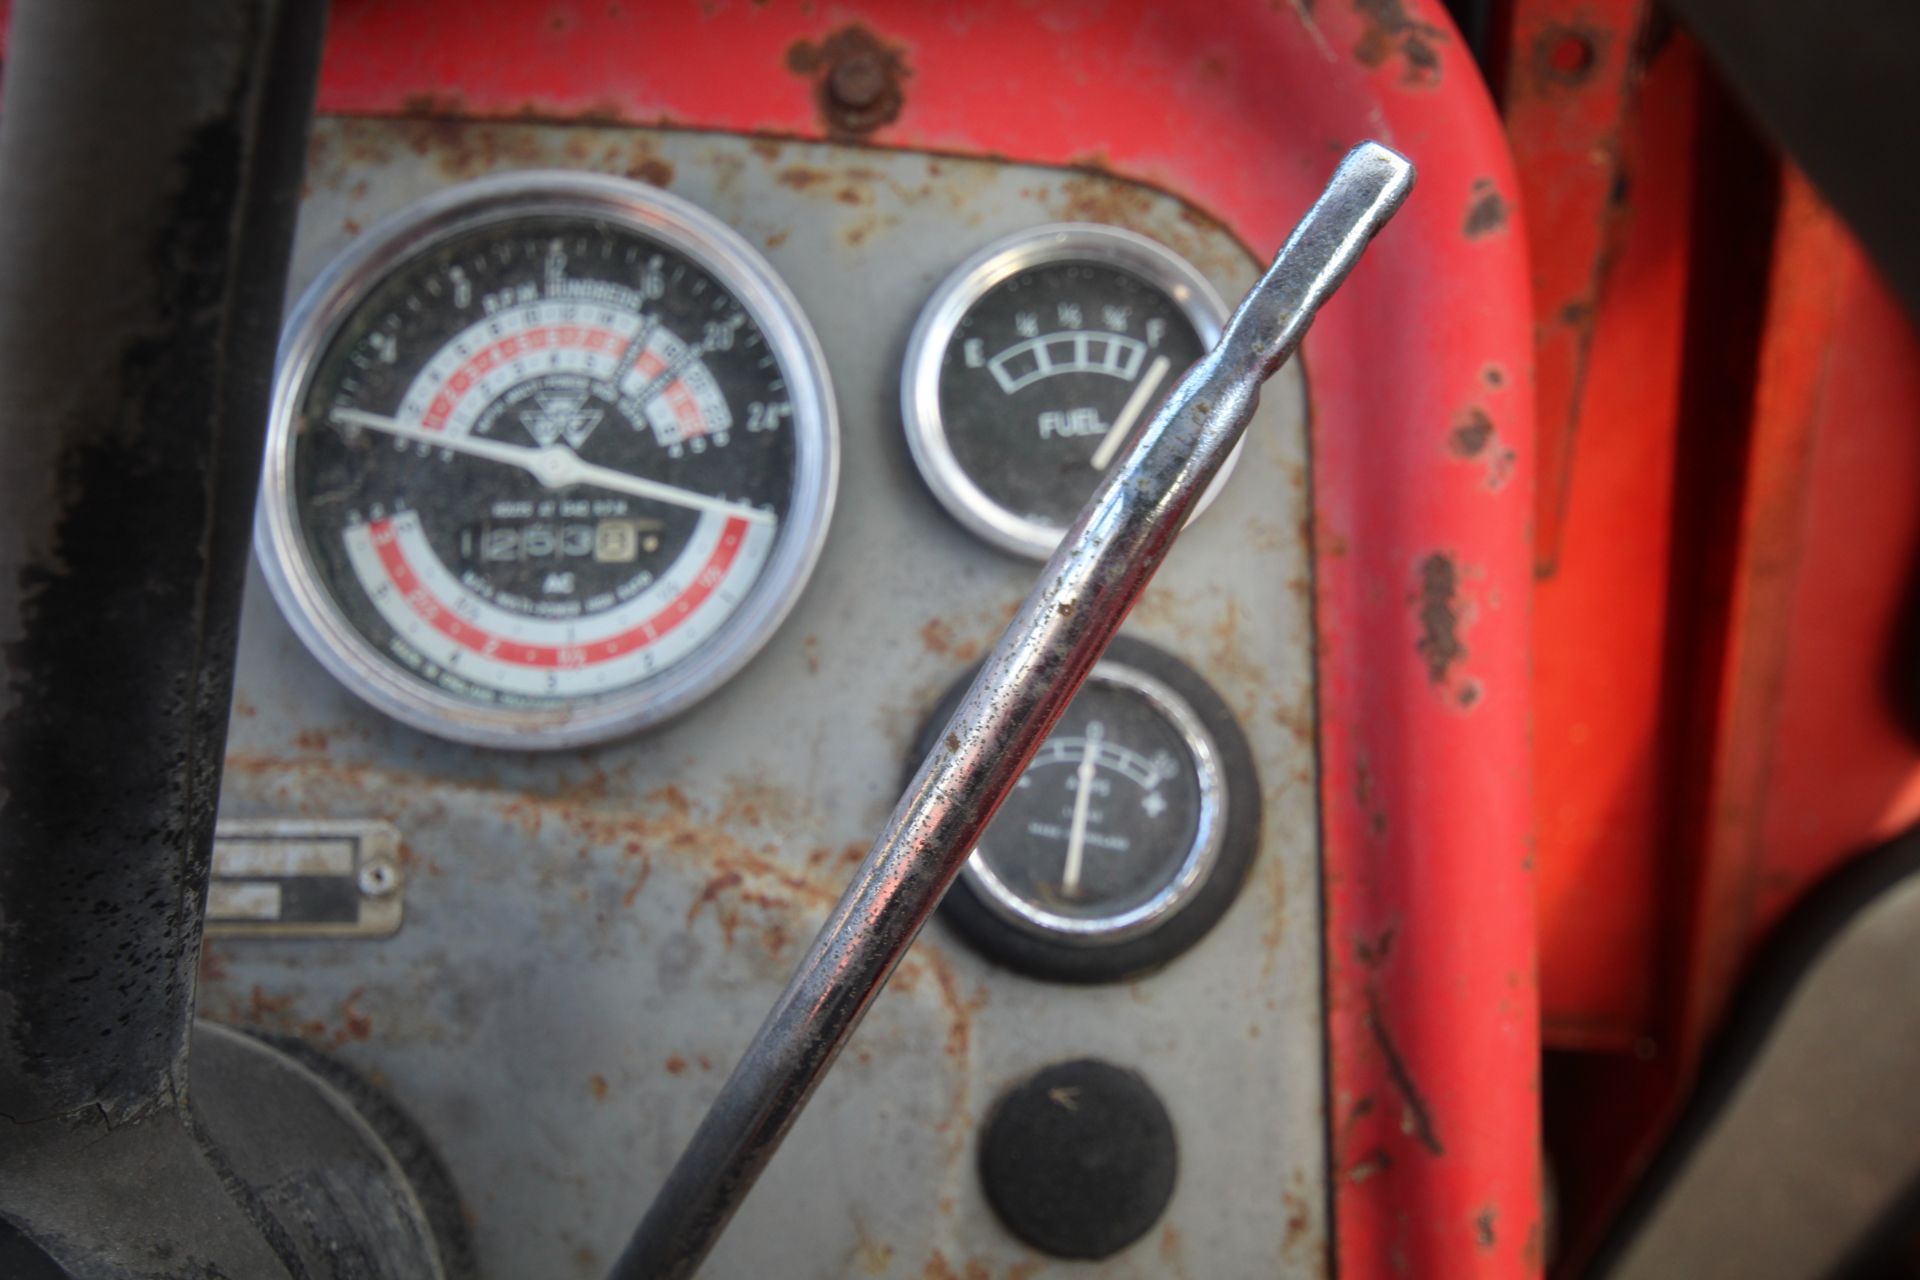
436, 614
686, 410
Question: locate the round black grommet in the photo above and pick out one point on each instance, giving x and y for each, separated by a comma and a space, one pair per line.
1079, 1159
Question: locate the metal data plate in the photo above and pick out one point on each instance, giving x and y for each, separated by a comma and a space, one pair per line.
592, 936
304, 878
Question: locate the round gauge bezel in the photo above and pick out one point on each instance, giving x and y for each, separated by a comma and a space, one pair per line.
933, 332
674, 223
997, 923
1201, 857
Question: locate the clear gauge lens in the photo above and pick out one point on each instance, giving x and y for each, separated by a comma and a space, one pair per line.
551, 457
1127, 837
1034, 363
1117, 813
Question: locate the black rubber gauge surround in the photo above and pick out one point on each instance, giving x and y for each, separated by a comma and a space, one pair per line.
1161, 908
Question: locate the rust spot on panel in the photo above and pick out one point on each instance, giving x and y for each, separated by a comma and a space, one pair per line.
1473, 437
960, 1008
1190, 232
714, 888
1171, 1251
858, 81
1233, 665
354, 1025
1439, 604
653, 171
1487, 214
676, 1065
1470, 435
1297, 718
1483, 1228
639, 882
1416, 1120
936, 637
1298, 1221
597, 1086
872, 1256
1276, 930
1390, 32
801, 177
673, 798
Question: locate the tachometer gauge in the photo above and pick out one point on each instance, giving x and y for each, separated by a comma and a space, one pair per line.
1129, 834
1034, 362
551, 457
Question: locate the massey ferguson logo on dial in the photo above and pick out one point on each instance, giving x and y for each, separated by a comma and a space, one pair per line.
561, 413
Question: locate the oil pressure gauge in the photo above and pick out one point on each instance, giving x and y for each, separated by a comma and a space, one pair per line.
1127, 837
551, 456
1032, 364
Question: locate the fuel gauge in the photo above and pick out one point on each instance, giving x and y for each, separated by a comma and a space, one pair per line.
1127, 837
1034, 362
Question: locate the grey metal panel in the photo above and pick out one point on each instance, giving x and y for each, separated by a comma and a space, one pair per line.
592, 936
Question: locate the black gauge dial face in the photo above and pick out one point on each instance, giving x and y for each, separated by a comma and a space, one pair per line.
1106, 815
1034, 364
1049, 371
546, 462
1127, 836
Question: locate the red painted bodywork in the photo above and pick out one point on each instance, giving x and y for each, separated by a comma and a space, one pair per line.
1729, 528
1421, 381
1612, 274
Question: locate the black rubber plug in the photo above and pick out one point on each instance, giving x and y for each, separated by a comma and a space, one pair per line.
1079, 1159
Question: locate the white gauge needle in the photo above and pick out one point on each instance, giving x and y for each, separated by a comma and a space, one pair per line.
1082, 796
1130, 413
555, 466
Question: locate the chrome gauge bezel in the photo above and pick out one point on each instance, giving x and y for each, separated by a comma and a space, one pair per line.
315, 320
926, 433
1195, 869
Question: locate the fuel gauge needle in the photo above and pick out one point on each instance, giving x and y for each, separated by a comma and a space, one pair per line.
555, 466
1130, 413
1082, 795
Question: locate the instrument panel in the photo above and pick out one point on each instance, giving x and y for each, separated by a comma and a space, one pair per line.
604, 885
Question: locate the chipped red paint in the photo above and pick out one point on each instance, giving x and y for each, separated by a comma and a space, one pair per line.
1242, 107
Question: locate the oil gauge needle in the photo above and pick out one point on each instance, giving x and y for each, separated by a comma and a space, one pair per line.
1130, 413
555, 466
1082, 796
